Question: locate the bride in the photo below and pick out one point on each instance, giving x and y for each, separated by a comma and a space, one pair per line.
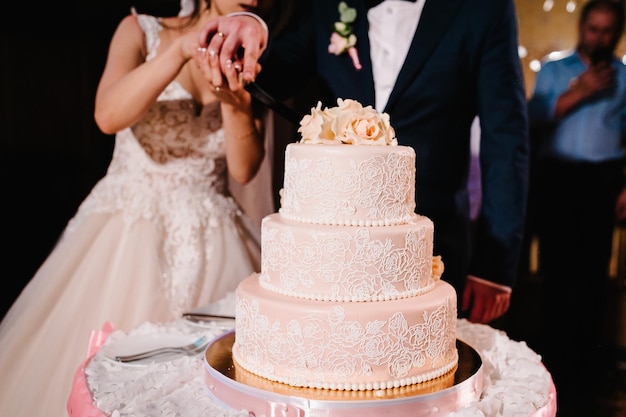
159, 233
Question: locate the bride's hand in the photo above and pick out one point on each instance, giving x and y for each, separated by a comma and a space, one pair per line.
236, 96
230, 76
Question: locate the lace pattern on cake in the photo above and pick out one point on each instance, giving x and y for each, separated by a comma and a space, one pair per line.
376, 187
346, 266
324, 351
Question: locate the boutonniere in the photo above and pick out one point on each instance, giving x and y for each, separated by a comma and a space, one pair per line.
343, 40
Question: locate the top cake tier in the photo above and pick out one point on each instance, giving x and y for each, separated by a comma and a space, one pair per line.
348, 185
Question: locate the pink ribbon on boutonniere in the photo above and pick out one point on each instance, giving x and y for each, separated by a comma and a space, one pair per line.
342, 39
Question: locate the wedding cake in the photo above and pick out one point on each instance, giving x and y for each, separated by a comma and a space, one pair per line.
349, 296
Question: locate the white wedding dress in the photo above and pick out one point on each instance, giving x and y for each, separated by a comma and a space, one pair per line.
159, 234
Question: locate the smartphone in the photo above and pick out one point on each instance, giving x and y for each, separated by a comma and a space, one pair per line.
601, 55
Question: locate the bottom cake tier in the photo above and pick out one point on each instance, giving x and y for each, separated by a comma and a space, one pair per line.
352, 346
237, 389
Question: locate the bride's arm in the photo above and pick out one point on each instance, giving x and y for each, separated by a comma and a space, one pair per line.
129, 85
245, 146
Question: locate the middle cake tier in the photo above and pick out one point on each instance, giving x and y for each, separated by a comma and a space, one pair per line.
345, 345
347, 263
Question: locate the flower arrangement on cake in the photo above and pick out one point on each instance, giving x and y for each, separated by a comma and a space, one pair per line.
348, 123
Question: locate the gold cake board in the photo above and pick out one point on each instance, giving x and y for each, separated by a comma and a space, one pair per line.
238, 389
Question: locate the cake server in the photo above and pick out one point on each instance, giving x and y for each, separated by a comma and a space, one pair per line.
206, 317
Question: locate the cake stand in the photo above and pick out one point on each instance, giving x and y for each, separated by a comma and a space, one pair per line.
235, 388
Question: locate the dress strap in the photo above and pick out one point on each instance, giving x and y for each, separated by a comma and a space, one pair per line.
151, 27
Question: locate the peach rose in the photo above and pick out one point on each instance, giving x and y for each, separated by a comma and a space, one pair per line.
363, 126
315, 127
437, 267
348, 123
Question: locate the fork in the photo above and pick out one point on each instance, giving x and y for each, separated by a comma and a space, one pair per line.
195, 347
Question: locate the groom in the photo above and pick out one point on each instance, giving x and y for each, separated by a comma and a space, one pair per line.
432, 65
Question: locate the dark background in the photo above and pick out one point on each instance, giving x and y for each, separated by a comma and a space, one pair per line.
52, 152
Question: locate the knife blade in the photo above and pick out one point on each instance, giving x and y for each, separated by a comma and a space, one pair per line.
279, 107
204, 317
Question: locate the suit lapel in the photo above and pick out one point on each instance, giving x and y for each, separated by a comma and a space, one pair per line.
435, 21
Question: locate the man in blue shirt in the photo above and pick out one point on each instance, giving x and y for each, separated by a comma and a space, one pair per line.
579, 108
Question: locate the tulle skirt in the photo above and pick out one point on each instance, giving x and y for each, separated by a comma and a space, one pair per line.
105, 271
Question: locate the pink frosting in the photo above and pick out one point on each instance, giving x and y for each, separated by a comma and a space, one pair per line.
345, 345
347, 263
349, 185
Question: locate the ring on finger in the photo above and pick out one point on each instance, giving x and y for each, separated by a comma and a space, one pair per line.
217, 89
221, 34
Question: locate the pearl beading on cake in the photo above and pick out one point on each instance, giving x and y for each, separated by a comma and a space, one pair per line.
346, 222
349, 299
380, 385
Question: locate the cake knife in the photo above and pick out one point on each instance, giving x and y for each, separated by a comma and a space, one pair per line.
279, 107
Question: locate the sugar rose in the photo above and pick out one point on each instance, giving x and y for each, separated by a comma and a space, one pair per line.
311, 127
437, 267
348, 123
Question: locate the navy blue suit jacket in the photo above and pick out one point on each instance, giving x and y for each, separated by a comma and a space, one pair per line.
462, 62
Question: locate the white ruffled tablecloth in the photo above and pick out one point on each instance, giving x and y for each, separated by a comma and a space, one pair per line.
516, 382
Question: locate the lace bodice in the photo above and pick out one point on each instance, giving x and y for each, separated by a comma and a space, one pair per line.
169, 168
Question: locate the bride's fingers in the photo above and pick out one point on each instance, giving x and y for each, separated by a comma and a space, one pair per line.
211, 73
214, 75
202, 61
232, 74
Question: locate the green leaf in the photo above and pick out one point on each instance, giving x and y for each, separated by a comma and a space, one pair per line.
348, 15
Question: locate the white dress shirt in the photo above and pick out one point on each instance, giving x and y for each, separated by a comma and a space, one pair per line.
392, 26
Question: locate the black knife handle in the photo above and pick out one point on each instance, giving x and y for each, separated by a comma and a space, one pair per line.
279, 107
